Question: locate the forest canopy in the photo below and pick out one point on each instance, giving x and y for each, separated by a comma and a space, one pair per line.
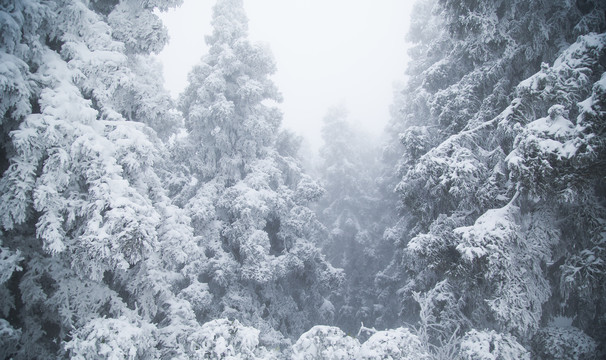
138, 226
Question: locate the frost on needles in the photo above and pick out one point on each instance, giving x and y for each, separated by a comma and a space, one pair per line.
133, 226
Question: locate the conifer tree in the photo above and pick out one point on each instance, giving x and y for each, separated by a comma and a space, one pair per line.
258, 261
497, 171
90, 241
352, 212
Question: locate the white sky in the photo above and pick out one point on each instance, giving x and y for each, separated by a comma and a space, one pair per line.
328, 52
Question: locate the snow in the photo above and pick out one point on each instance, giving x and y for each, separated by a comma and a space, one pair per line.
573, 56
112, 339
398, 343
553, 134
534, 81
556, 126
102, 256
325, 342
493, 224
225, 339
9, 262
14, 87
490, 345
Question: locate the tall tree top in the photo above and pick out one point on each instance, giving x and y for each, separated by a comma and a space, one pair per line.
224, 107
229, 22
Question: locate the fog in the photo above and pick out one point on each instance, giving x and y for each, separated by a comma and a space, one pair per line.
328, 53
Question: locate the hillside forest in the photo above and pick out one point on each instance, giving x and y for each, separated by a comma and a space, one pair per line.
138, 226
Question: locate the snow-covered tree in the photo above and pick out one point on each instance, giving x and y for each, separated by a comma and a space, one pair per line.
394, 344
501, 186
90, 241
225, 106
558, 342
487, 345
103, 338
225, 339
247, 198
325, 342
352, 212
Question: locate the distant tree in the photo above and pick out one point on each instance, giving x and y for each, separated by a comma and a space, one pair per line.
352, 212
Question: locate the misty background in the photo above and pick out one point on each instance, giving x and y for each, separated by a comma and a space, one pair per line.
328, 53
189, 222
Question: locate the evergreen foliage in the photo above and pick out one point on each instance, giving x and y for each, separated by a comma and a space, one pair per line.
248, 202
84, 215
355, 217
133, 226
500, 190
